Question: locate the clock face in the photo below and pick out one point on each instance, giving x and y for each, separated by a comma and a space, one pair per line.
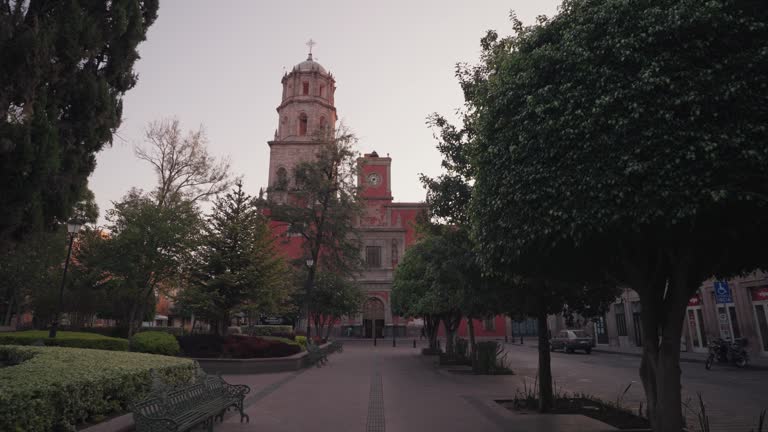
374, 179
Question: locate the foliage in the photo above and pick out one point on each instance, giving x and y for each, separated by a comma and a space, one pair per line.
185, 170
64, 339
65, 69
302, 341
149, 248
625, 138
201, 345
258, 347
333, 297
154, 342
237, 265
269, 330
489, 359
56, 388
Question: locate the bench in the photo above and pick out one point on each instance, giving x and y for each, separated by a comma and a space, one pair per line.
336, 346
316, 356
185, 407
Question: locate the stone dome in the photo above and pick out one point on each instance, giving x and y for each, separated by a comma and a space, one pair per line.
310, 65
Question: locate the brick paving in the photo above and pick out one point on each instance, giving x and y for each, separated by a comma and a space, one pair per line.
381, 388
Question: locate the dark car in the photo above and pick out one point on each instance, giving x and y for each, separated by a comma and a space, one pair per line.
572, 340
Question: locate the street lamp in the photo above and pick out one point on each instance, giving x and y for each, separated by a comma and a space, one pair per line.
308, 287
73, 227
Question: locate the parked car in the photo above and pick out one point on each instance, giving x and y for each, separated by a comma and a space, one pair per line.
572, 340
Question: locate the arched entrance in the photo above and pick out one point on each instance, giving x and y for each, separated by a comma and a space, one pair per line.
373, 318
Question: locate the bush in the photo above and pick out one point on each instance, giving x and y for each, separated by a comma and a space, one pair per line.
302, 341
155, 343
65, 339
258, 347
201, 345
285, 331
55, 388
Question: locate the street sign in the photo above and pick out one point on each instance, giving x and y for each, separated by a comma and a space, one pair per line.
722, 293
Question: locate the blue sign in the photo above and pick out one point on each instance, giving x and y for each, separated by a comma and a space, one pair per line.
722, 292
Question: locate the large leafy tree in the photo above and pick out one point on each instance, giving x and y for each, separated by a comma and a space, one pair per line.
332, 297
627, 139
324, 206
64, 67
237, 266
150, 248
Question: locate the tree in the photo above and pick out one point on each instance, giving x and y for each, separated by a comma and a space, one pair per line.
183, 166
626, 138
333, 297
324, 207
237, 265
150, 247
64, 68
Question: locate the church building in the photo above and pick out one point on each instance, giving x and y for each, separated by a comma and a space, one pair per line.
386, 228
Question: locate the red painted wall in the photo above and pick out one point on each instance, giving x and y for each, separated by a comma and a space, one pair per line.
498, 331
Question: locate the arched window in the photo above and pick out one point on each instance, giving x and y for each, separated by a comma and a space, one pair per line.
305, 89
302, 124
323, 123
281, 183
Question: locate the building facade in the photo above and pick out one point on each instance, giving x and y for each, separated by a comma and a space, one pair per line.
737, 308
386, 227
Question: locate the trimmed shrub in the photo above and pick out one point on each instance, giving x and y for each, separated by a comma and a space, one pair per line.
155, 343
65, 339
201, 345
55, 388
285, 331
302, 341
258, 347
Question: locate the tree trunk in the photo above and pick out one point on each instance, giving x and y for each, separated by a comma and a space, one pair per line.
471, 326
7, 318
662, 324
431, 324
546, 396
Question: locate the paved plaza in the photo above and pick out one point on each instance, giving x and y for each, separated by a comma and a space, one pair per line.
373, 389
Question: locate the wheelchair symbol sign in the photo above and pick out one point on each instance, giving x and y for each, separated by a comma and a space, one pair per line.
723, 292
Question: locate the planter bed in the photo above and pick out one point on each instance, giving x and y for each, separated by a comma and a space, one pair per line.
621, 419
228, 366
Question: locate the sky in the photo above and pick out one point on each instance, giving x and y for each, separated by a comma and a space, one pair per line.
218, 64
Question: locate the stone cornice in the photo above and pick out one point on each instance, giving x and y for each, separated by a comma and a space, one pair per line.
306, 99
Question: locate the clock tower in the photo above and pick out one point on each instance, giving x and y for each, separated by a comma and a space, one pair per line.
374, 177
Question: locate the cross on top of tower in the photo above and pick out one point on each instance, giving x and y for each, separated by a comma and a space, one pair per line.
310, 43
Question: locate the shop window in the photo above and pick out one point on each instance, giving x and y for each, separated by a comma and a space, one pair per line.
305, 89
621, 320
762, 324
303, 124
373, 256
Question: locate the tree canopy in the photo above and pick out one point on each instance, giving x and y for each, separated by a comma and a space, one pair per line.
627, 139
64, 68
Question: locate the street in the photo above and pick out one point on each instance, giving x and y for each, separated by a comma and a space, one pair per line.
733, 397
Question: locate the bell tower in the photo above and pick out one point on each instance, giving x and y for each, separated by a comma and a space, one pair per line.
306, 114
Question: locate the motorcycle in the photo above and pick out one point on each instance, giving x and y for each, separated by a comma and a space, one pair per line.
727, 352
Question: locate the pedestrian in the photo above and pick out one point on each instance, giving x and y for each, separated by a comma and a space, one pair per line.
422, 334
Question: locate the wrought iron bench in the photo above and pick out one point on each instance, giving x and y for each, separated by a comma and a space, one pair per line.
183, 408
336, 346
316, 355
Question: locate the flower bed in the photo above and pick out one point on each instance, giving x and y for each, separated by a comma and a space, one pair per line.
64, 339
56, 388
236, 346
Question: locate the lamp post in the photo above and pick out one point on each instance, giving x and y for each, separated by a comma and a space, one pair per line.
73, 227
310, 276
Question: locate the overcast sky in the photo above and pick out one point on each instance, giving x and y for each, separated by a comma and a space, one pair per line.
219, 64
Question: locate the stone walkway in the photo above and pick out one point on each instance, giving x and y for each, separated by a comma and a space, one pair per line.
377, 389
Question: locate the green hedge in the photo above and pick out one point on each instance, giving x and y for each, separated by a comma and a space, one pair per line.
56, 388
268, 330
155, 343
65, 339
302, 340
